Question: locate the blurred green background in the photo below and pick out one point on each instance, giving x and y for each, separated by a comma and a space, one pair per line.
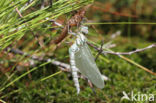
123, 76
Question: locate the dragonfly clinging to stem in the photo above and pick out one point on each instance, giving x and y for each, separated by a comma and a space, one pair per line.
82, 59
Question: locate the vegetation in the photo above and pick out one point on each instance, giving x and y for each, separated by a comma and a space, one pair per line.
28, 29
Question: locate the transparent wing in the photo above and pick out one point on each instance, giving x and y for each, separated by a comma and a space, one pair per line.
87, 66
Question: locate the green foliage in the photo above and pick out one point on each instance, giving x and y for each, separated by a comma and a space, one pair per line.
14, 28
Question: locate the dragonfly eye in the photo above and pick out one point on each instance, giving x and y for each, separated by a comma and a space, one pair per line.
75, 48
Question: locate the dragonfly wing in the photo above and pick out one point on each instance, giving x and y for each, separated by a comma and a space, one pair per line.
87, 66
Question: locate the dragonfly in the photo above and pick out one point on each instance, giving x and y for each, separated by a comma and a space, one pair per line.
82, 59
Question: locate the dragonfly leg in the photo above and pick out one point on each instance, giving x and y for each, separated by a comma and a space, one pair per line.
91, 86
